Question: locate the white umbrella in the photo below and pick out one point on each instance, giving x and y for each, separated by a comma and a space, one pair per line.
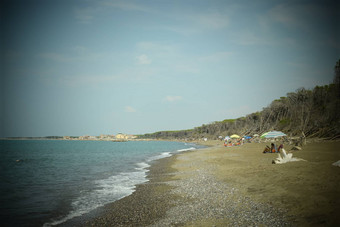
273, 134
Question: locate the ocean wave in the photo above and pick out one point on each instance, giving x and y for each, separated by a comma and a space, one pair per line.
142, 166
162, 155
186, 149
111, 189
106, 191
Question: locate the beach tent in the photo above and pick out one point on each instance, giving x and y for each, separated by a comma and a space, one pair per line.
247, 137
273, 134
234, 136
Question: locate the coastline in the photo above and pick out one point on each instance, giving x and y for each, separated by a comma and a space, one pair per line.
147, 204
233, 186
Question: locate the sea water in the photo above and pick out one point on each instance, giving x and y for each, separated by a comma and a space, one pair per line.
48, 182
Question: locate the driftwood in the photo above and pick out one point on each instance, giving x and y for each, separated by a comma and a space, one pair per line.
285, 158
296, 148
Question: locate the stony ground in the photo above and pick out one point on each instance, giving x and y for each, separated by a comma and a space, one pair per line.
233, 187
206, 201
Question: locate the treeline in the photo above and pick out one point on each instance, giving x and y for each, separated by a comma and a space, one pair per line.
306, 113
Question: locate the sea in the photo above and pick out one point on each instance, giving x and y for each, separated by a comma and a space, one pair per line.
50, 182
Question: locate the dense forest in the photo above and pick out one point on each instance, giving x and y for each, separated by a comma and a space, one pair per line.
306, 113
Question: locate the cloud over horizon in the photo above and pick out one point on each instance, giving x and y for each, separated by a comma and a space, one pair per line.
171, 98
143, 60
129, 109
156, 58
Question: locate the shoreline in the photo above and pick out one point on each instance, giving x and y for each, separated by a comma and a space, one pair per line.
148, 203
246, 190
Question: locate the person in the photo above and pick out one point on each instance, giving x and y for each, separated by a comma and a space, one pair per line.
273, 148
280, 148
266, 149
238, 142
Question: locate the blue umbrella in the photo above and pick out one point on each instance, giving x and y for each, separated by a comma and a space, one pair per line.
273, 134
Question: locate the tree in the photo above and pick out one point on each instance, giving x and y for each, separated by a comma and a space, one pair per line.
303, 112
336, 79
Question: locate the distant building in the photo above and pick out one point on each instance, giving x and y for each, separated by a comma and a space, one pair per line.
106, 137
132, 136
86, 137
121, 136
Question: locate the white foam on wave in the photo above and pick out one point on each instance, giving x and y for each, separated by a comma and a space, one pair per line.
187, 149
169, 154
111, 189
162, 155
106, 191
142, 166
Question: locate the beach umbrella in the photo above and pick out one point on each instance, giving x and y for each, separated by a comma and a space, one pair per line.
227, 138
264, 135
247, 137
234, 136
255, 135
273, 134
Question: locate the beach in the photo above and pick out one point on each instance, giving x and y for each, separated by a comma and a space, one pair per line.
234, 186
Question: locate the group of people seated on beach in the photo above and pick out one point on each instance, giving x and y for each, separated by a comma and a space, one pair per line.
230, 143
273, 148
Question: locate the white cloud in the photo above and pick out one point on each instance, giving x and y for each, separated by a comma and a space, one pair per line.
171, 98
143, 60
301, 16
128, 6
129, 109
86, 15
248, 38
286, 15
212, 21
156, 47
216, 57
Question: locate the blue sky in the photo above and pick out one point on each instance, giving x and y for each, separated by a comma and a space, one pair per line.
104, 67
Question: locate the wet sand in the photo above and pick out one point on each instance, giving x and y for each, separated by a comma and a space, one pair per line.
221, 186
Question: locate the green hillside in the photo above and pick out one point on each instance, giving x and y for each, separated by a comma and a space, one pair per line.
310, 113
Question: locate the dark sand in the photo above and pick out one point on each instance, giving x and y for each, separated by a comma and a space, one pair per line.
305, 192
147, 204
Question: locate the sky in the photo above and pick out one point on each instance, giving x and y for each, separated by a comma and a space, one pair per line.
94, 67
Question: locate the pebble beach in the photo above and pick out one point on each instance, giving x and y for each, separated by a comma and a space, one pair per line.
234, 186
